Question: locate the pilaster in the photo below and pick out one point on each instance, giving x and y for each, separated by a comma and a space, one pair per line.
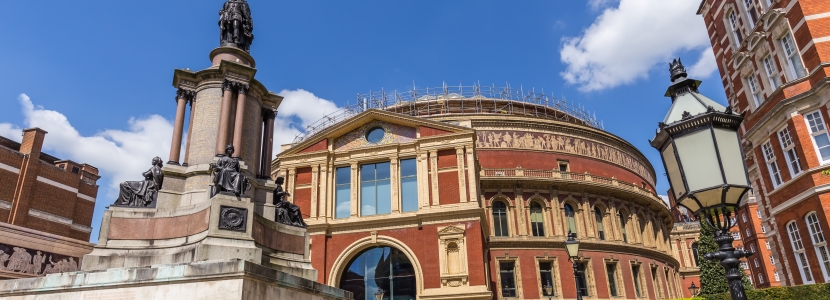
354, 186
433, 164
395, 178
471, 175
462, 184
315, 186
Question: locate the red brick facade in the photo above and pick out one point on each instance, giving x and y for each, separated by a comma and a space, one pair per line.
785, 125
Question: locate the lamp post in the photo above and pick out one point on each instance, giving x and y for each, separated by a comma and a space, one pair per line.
698, 141
549, 290
572, 246
379, 294
694, 289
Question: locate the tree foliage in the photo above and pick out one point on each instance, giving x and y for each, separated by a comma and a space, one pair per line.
712, 274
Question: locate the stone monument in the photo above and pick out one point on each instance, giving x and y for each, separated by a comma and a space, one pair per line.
207, 216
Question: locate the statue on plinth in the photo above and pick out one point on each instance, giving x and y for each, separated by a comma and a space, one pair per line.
236, 26
227, 176
286, 212
142, 193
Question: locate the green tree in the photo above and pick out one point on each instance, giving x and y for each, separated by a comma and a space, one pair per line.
712, 274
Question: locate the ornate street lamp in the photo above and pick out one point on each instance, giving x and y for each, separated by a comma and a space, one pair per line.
379, 294
549, 290
694, 289
698, 141
572, 246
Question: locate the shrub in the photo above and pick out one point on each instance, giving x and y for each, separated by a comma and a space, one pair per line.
798, 292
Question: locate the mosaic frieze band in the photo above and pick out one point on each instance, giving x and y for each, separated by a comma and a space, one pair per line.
559, 143
22, 260
357, 138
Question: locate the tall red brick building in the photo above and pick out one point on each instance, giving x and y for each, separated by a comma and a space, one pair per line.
46, 207
774, 60
469, 193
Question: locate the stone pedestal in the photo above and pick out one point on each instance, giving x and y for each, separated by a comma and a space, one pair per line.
216, 279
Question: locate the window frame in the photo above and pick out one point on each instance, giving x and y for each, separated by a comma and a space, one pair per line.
755, 90
800, 253
516, 279
772, 165
376, 181
638, 280
537, 226
792, 55
612, 278
815, 133
554, 271
771, 70
737, 35
505, 217
752, 20
790, 154
570, 221
348, 186
819, 246
599, 222
401, 178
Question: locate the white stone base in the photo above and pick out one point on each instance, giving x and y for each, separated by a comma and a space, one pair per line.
218, 279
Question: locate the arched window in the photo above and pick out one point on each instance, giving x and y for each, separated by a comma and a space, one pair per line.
600, 227
537, 221
800, 255
695, 253
570, 215
500, 219
622, 227
817, 237
380, 267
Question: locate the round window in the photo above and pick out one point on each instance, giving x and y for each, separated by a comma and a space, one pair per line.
374, 135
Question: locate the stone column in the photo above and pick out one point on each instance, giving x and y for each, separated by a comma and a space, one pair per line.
189, 133
224, 116
178, 126
239, 120
267, 143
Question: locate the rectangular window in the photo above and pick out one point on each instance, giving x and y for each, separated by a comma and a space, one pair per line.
748, 233
638, 291
733, 23
772, 260
751, 13
818, 131
757, 265
760, 278
820, 244
375, 195
744, 265
790, 154
758, 212
612, 278
546, 277
768, 245
763, 228
772, 165
736, 235
409, 185
743, 217
582, 279
800, 255
755, 89
793, 57
508, 279
752, 248
343, 192
777, 277
655, 278
772, 72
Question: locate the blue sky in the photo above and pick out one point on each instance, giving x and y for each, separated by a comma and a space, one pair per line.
97, 74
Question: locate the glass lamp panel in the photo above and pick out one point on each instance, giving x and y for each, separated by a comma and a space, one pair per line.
733, 196
729, 149
709, 198
673, 171
572, 248
699, 158
691, 204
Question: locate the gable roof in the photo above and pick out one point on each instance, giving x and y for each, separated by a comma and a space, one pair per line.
370, 115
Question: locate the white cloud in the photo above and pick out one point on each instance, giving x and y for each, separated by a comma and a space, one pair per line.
705, 66
599, 4
665, 198
299, 109
627, 41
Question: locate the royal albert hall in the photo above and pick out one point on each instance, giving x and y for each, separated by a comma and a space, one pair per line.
470, 192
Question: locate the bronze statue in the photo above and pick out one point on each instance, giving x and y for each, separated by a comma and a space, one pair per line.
142, 193
236, 26
228, 179
286, 212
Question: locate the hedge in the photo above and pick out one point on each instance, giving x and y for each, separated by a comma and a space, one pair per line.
798, 292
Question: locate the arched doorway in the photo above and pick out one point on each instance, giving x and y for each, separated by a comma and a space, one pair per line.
380, 267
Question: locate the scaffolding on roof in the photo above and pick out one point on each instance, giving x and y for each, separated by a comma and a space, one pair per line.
453, 100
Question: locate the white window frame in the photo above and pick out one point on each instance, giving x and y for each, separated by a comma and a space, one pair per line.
760, 279
772, 260
799, 253
752, 248
749, 234
736, 235
793, 56
777, 277
763, 228
744, 265
743, 217
819, 129
758, 212
749, 6
732, 18
772, 71
819, 243
772, 165
769, 247
790, 153
755, 90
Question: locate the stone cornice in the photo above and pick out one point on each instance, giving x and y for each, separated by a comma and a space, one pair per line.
187, 79
445, 214
526, 242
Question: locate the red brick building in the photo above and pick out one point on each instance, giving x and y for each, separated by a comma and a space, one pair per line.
46, 207
470, 192
773, 60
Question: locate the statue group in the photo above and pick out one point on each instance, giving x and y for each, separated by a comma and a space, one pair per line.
21, 261
142, 193
235, 25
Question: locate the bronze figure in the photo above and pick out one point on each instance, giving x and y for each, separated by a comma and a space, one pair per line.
236, 26
227, 177
286, 212
142, 193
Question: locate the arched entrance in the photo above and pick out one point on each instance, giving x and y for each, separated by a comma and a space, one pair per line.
380, 267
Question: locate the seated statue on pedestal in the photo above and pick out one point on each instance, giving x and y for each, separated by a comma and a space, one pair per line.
142, 193
286, 212
228, 179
